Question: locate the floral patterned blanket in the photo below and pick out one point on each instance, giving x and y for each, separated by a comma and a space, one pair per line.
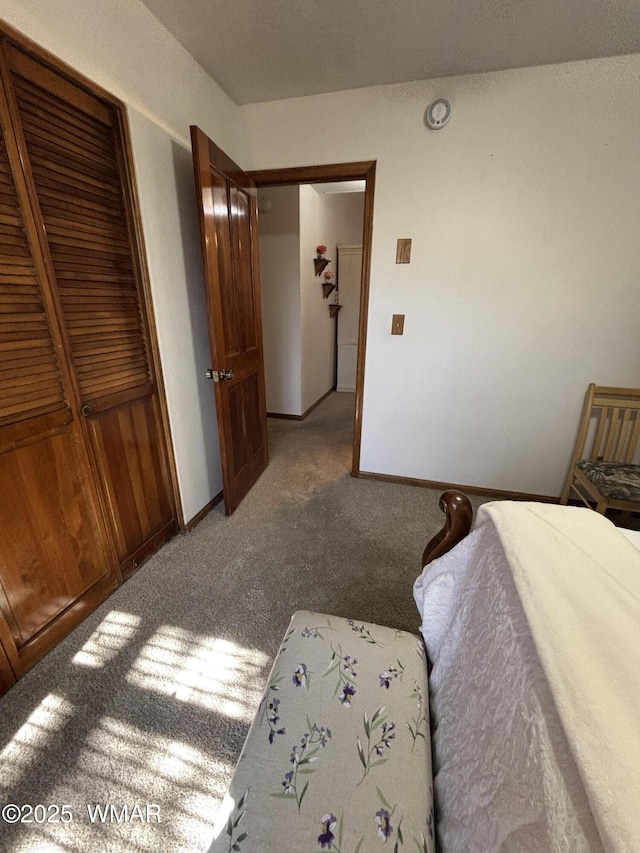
338, 756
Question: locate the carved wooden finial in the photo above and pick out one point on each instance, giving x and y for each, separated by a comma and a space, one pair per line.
459, 515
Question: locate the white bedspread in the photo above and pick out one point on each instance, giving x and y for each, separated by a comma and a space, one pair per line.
533, 625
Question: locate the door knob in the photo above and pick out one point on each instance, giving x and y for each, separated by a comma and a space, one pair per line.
218, 376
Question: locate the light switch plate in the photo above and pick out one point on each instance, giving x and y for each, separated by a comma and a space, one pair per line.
397, 324
403, 251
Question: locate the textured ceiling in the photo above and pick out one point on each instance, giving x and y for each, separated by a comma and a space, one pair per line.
262, 50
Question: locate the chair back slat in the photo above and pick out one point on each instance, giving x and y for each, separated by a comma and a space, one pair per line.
600, 434
634, 439
623, 443
616, 431
612, 437
624, 402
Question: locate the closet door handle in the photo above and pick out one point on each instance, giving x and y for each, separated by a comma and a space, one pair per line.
87, 410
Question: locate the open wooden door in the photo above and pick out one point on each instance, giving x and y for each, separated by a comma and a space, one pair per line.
228, 226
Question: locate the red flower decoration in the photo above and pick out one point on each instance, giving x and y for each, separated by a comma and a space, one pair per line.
321, 249
328, 276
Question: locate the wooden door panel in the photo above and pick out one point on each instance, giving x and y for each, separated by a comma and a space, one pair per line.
49, 533
7, 677
133, 466
243, 267
236, 421
228, 229
98, 311
73, 143
245, 421
225, 301
251, 399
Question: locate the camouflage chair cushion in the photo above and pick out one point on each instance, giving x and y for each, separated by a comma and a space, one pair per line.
615, 480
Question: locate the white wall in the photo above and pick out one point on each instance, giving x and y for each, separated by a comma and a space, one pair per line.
329, 219
280, 290
350, 281
524, 284
299, 335
170, 214
318, 341
122, 46
344, 214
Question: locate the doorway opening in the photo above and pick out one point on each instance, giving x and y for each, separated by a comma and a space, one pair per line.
317, 323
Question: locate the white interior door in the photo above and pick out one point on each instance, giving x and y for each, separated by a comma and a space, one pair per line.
349, 275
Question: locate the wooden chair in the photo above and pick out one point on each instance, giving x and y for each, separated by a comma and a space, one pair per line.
605, 467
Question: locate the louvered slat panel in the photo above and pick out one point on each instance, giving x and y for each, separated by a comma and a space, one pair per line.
38, 121
69, 115
90, 227
115, 362
57, 199
68, 251
25, 337
78, 173
27, 379
52, 184
17, 364
107, 296
62, 152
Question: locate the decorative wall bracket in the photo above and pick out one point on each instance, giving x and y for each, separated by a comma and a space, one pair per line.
327, 288
320, 264
333, 310
328, 285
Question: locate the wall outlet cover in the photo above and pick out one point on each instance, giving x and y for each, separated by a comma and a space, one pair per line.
397, 324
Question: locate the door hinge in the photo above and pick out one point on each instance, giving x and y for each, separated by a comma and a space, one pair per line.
212, 374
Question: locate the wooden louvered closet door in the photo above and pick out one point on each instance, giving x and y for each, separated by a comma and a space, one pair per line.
55, 557
85, 489
74, 148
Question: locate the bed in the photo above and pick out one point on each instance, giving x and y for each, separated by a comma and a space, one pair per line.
532, 627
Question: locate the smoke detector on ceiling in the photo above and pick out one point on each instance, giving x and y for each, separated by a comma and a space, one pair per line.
437, 114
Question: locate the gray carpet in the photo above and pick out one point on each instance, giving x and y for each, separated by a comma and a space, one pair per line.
150, 699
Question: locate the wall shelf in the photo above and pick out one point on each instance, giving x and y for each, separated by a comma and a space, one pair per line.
320, 264
327, 288
333, 310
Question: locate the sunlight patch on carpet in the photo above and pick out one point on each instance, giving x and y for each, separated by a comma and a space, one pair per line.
32, 739
114, 632
184, 781
206, 671
184, 784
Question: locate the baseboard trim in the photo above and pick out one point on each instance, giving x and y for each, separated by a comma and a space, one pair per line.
284, 417
206, 509
317, 402
498, 494
304, 415
133, 561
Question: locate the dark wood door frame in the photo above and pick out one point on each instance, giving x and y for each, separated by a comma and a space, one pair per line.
364, 170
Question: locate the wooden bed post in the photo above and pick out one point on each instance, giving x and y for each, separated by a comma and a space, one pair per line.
459, 515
